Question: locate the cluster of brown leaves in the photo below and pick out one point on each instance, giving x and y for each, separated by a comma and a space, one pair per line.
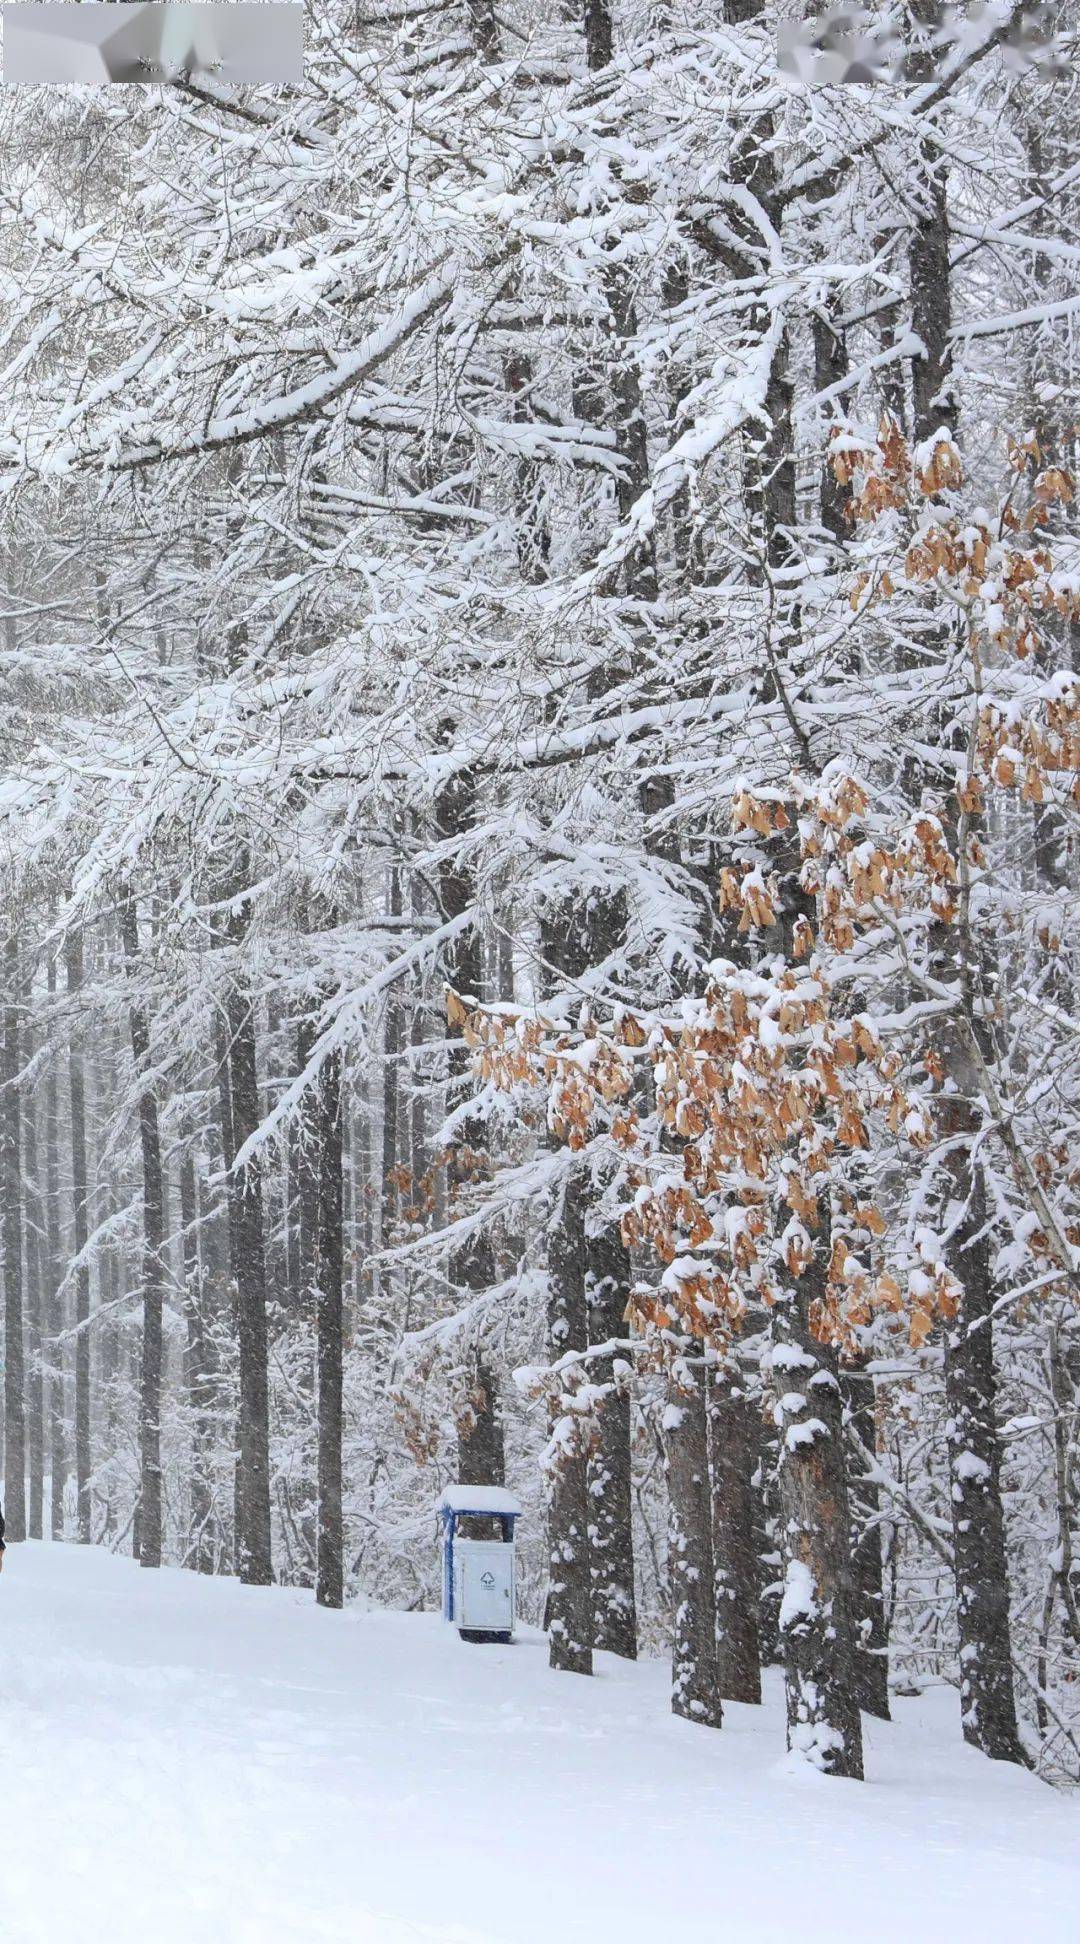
1032, 754
880, 474
854, 1294
755, 1091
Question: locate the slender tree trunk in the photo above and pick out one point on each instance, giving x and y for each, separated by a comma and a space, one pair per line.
73, 960
733, 1453
253, 1543
197, 1379
870, 1611
153, 1266
569, 1606
767, 1548
306, 1161
329, 1585
54, 1391
987, 1699
695, 1693
35, 1321
471, 1267
988, 1707
611, 1546
393, 1043
11, 1175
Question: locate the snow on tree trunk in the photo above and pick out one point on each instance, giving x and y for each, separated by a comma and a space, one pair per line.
198, 1382
611, 1544
815, 1611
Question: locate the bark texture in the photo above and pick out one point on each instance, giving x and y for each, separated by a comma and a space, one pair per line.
153, 1268
695, 1693
611, 1546
733, 1441
569, 1608
73, 960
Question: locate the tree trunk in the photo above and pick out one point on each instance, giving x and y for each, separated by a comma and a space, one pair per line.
11, 1174
253, 1545
393, 1043
694, 1690
569, 1605
816, 1610
197, 1377
73, 960
35, 1325
329, 1583
733, 1452
987, 1702
153, 1266
611, 1546
471, 1267
870, 1616
54, 1390
988, 1708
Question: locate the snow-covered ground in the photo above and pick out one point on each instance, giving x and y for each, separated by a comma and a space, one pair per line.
188, 1761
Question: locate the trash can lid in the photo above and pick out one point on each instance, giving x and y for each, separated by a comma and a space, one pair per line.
479, 1498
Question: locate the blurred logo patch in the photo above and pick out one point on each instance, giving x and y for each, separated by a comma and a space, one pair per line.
152, 43
850, 45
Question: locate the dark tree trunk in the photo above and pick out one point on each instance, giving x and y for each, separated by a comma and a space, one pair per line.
987, 1701
733, 1453
599, 38
471, 1268
253, 1545
931, 310
329, 1584
870, 1613
73, 959
11, 1175
305, 1145
153, 1265
988, 1707
569, 1605
694, 1690
611, 1546
830, 367
930, 272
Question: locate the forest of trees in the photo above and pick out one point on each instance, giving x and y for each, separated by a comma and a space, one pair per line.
539, 811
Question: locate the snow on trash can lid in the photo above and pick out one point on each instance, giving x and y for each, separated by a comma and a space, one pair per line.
479, 1498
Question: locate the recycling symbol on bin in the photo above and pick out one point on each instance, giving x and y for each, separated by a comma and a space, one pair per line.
487, 1579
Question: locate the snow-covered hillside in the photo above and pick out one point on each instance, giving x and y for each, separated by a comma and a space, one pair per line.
189, 1761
